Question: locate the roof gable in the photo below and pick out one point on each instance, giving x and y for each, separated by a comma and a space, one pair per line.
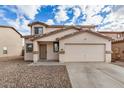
84, 31
53, 32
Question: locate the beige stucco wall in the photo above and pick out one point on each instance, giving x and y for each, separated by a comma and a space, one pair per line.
51, 55
120, 46
45, 29
87, 38
27, 56
12, 40
90, 38
35, 49
57, 35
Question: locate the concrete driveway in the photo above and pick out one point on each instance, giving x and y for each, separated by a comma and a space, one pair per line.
119, 63
95, 75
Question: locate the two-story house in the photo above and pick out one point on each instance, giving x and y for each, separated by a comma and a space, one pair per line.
66, 44
115, 35
11, 43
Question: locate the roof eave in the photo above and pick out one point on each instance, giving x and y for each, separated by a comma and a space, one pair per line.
85, 31
13, 29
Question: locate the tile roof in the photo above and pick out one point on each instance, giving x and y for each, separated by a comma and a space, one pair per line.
60, 26
51, 33
82, 31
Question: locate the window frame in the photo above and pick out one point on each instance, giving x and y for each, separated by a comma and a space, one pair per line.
36, 29
27, 48
54, 50
5, 50
118, 35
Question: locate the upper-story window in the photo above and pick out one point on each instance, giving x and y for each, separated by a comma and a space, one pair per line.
38, 30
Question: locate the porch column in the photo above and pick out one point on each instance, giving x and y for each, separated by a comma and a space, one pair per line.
35, 51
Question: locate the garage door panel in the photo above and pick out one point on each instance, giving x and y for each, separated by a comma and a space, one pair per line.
84, 53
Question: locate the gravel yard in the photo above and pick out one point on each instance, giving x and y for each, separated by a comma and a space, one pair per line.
21, 75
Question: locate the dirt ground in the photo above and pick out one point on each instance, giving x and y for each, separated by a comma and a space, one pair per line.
19, 74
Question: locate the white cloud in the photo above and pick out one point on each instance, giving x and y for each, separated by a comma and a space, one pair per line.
24, 25
14, 23
50, 22
91, 15
92, 10
21, 10
61, 15
95, 20
2, 13
107, 9
22, 28
29, 10
25, 30
77, 13
116, 19
70, 23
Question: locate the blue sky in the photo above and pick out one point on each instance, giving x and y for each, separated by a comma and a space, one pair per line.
105, 17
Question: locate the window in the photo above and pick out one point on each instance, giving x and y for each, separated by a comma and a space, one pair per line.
56, 46
118, 35
4, 50
38, 30
29, 47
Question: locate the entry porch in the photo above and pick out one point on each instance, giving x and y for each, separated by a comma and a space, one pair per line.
45, 51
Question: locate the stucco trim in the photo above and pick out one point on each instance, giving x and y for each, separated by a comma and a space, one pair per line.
35, 52
118, 41
108, 52
28, 36
84, 43
13, 29
111, 32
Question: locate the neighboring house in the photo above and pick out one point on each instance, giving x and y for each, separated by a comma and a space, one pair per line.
115, 35
10, 42
117, 44
118, 49
66, 44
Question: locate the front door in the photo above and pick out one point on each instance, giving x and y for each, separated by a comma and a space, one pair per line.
43, 51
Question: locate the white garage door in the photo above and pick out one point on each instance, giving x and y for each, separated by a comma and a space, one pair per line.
84, 53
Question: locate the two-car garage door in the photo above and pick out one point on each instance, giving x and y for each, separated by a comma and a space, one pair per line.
84, 52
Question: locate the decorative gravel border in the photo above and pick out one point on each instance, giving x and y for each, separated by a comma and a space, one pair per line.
23, 76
